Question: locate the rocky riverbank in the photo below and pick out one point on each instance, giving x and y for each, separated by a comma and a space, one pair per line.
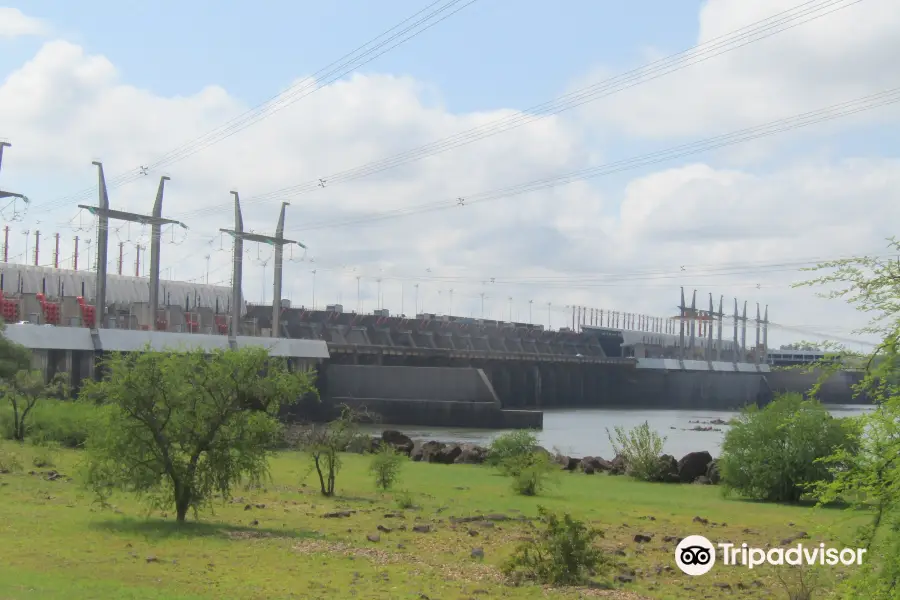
694, 467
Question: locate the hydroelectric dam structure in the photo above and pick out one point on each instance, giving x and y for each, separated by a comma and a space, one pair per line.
425, 370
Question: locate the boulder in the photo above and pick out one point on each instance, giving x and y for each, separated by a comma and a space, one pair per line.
416, 453
712, 472
693, 465
567, 462
596, 464
399, 441
431, 451
668, 467
448, 454
618, 465
471, 454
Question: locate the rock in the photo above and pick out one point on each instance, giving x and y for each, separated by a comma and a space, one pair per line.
702, 480
416, 453
701, 520
422, 528
471, 454
617, 465
339, 514
254, 522
595, 463
693, 465
373, 537
588, 469
477, 553
641, 538
623, 578
384, 529
473, 533
152, 559
712, 472
431, 451
667, 465
448, 454
398, 441
672, 538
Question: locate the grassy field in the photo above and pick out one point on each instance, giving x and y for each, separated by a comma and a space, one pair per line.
276, 542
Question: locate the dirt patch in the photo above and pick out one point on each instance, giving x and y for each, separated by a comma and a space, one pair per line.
464, 570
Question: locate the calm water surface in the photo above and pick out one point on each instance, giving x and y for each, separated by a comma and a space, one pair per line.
583, 432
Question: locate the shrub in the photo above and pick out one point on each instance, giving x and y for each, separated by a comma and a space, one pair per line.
563, 553
776, 453
45, 455
405, 500
531, 473
9, 461
641, 448
518, 443
385, 466
64, 422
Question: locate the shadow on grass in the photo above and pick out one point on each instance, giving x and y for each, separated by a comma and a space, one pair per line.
803, 503
166, 529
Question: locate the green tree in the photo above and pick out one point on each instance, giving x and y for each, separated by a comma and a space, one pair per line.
183, 426
774, 453
324, 444
23, 391
13, 357
870, 479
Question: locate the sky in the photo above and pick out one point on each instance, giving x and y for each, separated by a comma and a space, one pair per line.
454, 230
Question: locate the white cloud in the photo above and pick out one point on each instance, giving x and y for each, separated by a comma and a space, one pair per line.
65, 108
844, 55
14, 23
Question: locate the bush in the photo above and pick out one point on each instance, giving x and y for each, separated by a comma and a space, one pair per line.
563, 553
9, 461
641, 448
531, 473
775, 453
405, 500
385, 466
64, 422
518, 443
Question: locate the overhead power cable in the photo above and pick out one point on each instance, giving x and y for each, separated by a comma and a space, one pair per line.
409, 28
765, 28
822, 115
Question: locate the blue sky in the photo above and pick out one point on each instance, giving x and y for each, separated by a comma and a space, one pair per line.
496, 55
493, 54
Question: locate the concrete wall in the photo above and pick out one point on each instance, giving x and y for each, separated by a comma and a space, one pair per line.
409, 383
837, 389
423, 396
689, 389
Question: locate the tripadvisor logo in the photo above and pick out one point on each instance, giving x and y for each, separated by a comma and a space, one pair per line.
696, 555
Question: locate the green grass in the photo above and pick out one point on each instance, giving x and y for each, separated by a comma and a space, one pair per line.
57, 544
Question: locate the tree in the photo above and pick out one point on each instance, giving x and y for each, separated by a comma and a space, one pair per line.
385, 466
774, 453
13, 357
183, 426
870, 478
325, 443
23, 391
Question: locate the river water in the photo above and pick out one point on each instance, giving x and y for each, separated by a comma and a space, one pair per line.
582, 432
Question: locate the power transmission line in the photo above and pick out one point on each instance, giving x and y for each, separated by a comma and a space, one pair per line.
829, 113
328, 74
778, 23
